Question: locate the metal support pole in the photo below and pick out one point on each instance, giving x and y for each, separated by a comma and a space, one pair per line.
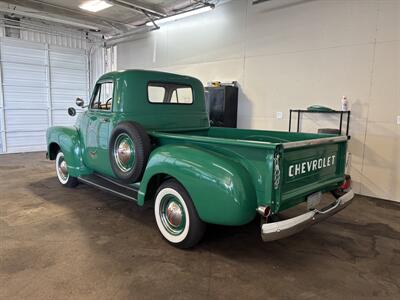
298, 121
348, 123
2, 108
49, 96
341, 121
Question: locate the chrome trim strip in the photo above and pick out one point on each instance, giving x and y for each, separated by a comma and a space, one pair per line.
106, 189
278, 230
320, 141
116, 183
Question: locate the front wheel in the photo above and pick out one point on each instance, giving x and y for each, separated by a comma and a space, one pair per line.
62, 172
176, 216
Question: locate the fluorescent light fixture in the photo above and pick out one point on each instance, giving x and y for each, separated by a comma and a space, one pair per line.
95, 5
181, 16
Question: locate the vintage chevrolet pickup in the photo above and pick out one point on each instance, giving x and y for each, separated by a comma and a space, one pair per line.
146, 136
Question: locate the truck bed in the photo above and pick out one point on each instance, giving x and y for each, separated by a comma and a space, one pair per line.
234, 135
285, 167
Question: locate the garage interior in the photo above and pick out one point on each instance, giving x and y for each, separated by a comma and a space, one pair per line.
281, 54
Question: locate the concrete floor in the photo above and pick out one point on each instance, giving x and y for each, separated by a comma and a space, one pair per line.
82, 243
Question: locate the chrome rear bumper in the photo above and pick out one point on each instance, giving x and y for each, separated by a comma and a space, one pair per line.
281, 229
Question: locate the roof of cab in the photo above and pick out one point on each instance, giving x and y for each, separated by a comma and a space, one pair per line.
145, 75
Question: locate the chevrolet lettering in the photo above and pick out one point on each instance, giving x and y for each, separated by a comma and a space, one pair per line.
312, 165
146, 137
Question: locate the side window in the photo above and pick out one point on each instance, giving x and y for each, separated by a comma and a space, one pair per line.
156, 94
103, 97
169, 93
183, 95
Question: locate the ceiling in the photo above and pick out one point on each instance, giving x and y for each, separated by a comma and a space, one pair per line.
123, 16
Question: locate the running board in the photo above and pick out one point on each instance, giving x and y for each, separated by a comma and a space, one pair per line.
111, 186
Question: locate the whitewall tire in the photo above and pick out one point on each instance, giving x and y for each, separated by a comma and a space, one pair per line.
176, 216
62, 172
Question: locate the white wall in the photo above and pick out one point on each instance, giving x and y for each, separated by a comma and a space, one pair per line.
101, 60
56, 35
291, 54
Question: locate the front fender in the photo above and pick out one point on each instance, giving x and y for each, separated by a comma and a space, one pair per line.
67, 138
220, 187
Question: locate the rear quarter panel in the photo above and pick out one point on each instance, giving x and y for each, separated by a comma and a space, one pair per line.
221, 188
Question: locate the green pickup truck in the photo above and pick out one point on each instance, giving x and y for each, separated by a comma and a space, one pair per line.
146, 136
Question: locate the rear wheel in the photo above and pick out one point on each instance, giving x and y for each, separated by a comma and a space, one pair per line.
176, 216
62, 172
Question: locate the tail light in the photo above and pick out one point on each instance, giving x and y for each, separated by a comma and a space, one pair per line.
346, 184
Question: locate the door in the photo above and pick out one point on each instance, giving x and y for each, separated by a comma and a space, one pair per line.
38, 83
25, 89
68, 80
96, 129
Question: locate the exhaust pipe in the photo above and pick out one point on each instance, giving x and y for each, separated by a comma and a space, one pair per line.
264, 211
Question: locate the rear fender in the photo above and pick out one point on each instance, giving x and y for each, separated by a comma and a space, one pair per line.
67, 139
220, 187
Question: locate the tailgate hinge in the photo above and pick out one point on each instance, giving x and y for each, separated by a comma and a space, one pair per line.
277, 171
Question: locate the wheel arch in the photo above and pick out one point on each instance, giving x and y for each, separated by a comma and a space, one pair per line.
53, 149
153, 183
220, 187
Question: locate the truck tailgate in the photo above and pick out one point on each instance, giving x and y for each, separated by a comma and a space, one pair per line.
311, 166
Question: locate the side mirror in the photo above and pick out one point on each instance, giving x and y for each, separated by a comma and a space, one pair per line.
72, 111
79, 102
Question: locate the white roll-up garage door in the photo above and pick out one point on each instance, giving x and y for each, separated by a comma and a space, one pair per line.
39, 83
69, 79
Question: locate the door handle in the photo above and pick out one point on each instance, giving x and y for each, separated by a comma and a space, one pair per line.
105, 120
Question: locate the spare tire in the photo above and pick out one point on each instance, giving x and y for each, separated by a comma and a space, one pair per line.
129, 151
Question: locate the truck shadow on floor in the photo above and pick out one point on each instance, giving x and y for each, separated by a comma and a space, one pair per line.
124, 225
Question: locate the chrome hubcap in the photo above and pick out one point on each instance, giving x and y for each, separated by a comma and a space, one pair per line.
172, 215
124, 152
62, 168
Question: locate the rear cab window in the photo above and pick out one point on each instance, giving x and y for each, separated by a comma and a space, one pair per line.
169, 93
